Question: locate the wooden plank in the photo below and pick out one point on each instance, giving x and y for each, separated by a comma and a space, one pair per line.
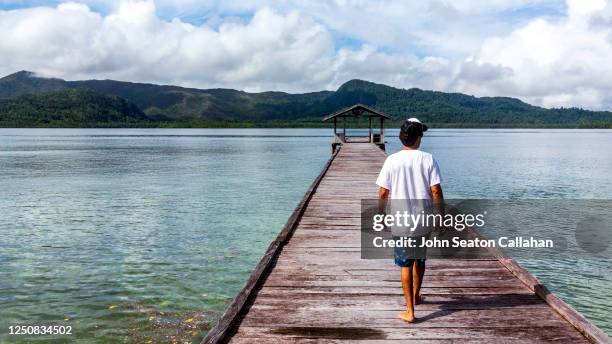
526, 334
291, 292
352, 303
487, 318
393, 276
281, 281
307, 270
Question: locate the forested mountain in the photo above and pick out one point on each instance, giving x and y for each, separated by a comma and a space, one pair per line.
69, 108
28, 100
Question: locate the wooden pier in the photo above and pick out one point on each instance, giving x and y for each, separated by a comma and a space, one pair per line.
311, 285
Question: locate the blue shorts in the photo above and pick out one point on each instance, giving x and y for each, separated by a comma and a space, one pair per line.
405, 257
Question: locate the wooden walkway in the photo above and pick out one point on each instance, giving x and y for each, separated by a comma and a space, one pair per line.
312, 286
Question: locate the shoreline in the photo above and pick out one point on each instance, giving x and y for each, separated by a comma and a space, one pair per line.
296, 126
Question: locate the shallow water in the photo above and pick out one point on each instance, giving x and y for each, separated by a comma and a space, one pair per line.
133, 234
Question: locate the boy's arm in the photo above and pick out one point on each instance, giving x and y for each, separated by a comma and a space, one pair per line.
438, 198
383, 196
436, 192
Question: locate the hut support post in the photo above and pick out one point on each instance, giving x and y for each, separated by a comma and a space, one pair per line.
334, 127
370, 129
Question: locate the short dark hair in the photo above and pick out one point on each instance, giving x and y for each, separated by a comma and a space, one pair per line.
410, 133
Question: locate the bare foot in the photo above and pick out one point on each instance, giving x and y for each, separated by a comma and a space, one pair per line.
417, 299
407, 317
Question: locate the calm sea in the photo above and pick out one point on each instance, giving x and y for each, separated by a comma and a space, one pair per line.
137, 234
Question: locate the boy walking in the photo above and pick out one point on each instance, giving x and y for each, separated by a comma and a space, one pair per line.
413, 176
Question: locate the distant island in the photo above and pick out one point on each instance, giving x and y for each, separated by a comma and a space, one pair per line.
27, 100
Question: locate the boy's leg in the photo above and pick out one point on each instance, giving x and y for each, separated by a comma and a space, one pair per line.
408, 315
417, 278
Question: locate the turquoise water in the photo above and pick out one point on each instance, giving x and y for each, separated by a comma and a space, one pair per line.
137, 234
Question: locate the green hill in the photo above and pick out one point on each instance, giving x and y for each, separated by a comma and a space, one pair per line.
31, 103
69, 108
24, 82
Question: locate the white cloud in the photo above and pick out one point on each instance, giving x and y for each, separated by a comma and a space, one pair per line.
433, 26
564, 62
400, 70
290, 52
71, 41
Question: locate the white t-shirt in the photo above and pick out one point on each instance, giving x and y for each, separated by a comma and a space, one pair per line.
409, 174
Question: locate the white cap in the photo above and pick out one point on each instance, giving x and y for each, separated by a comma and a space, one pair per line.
416, 120
413, 119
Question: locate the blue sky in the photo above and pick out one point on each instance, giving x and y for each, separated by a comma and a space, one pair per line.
546, 52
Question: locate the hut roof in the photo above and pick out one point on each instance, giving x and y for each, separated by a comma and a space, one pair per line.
356, 111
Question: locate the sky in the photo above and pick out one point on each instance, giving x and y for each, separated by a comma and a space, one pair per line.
551, 53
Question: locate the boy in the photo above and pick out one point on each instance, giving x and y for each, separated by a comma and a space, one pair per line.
414, 176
